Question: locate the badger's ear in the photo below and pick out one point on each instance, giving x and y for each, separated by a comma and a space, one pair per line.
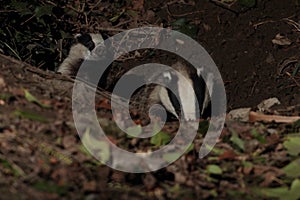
86, 40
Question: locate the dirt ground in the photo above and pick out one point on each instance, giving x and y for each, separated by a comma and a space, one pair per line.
42, 156
248, 60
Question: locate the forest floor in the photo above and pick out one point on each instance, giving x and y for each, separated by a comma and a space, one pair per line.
42, 156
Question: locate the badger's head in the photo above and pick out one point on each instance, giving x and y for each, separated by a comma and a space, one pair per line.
80, 51
179, 100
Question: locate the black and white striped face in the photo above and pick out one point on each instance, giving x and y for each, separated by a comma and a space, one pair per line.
191, 103
79, 52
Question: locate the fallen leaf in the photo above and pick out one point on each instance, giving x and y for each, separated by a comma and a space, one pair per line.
292, 145
134, 131
171, 157
138, 5
160, 138
235, 139
214, 169
2, 82
90, 186
33, 99
265, 105
30, 116
292, 169
149, 181
281, 40
230, 155
100, 148
69, 141
241, 114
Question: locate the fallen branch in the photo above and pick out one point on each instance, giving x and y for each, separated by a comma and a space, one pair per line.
254, 117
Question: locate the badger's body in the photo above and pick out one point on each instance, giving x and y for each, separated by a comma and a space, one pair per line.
191, 105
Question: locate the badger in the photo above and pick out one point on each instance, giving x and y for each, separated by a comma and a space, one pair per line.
190, 106
81, 50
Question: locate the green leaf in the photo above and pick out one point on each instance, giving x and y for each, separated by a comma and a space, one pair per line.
100, 148
190, 148
33, 99
292, 144
258, 136
247, 164
214, 169
161, 138
88, 154
295, 188
237, 141
15, 170
171, 157
279, 192
282, 193
50, 187
30, 116
43, 10
134, 131
132, 13
292, 169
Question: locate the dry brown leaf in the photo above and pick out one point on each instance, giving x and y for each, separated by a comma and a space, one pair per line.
104, 104
281, 40
90, 186
230, 154
2, 82
138, 5
149, 181
241, 114
69, 141
265, 105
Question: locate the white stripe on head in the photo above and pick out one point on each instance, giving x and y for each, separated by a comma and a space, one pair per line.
96, 38
167, 75
165, 100
187, 98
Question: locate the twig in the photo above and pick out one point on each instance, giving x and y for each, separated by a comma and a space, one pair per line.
184, 14
111, 29
27, 20
298, 84
94, 6
293, 23
261, 23
7, 11
254, 117
252, 90
122, 23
